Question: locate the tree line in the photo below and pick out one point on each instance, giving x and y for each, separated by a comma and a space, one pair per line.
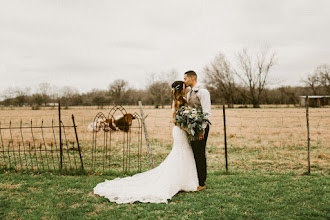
245, 82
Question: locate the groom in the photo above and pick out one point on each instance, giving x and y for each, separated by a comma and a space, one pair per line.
199, 98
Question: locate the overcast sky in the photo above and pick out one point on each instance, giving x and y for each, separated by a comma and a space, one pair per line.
89, 44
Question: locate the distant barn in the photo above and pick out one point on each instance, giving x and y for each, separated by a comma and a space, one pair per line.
315, 100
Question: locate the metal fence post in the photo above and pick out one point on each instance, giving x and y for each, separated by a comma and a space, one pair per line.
225, 135
308, 136
75, 131
60, 135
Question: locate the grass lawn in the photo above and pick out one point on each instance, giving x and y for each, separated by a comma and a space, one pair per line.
243, 195
267, 152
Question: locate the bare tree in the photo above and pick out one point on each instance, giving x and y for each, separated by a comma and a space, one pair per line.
117, 89
100, 101
17, 96
319, 80
159, 87
160, 93
313, 82
253, 70
68, 94
21, 95
324, 76
68, 91
44, 90
37, 101
287, 95
220, 78
54, 93
9, 93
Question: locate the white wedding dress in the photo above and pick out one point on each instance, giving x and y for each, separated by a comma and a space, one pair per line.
176, 173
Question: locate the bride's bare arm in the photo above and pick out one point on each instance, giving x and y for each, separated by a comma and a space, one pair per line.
173, 112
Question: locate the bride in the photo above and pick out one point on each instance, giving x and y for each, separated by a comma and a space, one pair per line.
176, 173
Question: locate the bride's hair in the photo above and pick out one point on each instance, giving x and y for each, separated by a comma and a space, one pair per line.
178, 92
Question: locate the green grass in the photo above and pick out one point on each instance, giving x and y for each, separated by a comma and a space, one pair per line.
240, 195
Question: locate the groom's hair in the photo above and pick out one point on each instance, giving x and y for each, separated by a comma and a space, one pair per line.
191, 73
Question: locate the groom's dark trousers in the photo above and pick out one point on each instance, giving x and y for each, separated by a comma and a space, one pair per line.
198, 148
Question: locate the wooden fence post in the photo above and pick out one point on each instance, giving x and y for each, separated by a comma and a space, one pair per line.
146, 136
225, 135
308, 136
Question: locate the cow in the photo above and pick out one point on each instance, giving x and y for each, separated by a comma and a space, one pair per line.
122, 123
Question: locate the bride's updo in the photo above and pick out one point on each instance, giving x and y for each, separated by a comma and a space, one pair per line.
179, 92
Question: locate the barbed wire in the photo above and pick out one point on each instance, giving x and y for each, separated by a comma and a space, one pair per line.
260, 121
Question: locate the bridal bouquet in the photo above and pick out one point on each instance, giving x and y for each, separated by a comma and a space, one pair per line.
191, 119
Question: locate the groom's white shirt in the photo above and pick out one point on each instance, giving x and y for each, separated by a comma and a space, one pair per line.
204, 97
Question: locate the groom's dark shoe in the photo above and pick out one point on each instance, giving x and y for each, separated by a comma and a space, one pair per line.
199, 188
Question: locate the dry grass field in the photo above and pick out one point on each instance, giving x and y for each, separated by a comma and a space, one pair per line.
266, 139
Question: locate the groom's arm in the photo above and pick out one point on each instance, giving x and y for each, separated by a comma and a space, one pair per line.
205, 100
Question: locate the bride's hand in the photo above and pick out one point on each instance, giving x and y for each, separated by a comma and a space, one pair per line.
201, 136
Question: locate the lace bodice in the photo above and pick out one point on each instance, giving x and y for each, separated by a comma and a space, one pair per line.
180, 138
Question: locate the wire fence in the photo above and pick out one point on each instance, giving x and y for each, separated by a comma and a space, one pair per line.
270, 139
39, 147
262, 139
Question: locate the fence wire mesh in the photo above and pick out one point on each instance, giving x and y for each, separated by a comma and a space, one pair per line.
273, 139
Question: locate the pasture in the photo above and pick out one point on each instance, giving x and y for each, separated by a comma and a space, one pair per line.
267, 152
268, 139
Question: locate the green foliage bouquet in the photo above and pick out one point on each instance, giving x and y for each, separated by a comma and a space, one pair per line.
191, 120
